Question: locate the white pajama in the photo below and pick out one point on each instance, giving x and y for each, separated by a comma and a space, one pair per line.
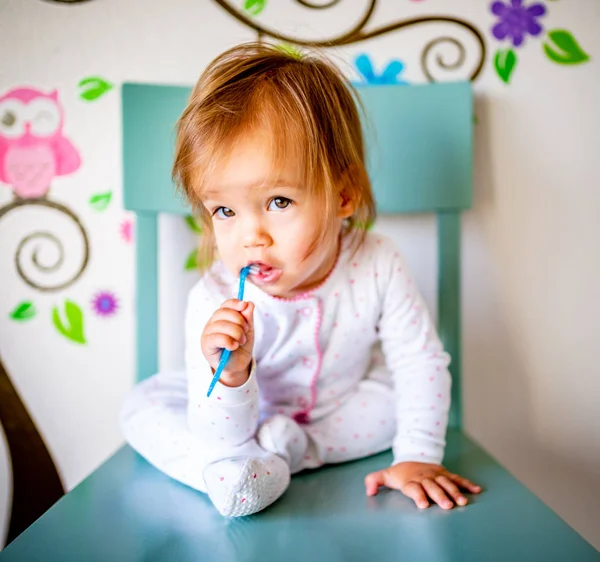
356, 362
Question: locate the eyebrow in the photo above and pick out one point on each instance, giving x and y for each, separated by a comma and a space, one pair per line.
278, 184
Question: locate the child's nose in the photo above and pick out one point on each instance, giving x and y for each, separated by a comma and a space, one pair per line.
256, 237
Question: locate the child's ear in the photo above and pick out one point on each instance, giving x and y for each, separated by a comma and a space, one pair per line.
347, 205
347, 191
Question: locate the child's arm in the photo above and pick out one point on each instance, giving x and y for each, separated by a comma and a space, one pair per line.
415, 355
230, 415
419, 365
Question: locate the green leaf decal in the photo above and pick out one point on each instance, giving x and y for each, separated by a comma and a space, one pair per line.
193, 225
505, 62
23, 311
255, 7
93, 87
360, 225
73, 328
290, 50
563, 48
100, 201
192, 260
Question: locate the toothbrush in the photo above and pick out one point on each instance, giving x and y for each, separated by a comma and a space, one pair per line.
226, 353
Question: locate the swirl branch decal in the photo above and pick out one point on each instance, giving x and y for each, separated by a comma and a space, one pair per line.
357, 34
318, 6
29, 243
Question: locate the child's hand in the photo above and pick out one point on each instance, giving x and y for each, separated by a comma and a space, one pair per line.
230, 327
420, 481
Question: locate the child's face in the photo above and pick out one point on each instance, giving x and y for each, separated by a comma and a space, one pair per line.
269, 219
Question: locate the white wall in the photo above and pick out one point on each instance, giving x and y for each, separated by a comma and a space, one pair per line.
532, 378
531, 257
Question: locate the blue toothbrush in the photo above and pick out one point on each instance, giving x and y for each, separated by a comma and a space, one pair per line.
226, 353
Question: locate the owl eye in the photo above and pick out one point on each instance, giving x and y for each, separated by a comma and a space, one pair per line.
9, 119
12, 124
44, 116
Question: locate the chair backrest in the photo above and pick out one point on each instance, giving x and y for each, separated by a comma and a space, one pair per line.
419, 141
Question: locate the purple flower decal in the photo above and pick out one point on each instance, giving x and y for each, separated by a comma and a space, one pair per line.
105, 304
517, 20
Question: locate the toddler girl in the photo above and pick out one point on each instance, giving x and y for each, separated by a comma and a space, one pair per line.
334, 356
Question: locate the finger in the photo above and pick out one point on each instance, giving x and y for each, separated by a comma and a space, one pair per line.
373, 481
415, 491
248, 314
234, 304
227, 328
436, 493
464, 483
231, 316
452, 490
217, 342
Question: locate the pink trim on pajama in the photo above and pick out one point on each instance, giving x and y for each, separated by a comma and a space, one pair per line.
357, 362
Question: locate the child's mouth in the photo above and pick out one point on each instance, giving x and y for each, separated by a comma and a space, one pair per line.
265, 274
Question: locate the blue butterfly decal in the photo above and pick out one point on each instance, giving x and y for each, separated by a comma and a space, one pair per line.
390, 75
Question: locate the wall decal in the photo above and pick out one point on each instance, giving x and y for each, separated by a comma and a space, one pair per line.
93, 88
105, 304
516, 20
191, 262
505, 62
67, 1
365, 225
290, 50
126, 230
29, 249
390, 75
36, 485
23, 311
34, 151
100, 201
563, 48
357, 33
70, 322
193, 224
254, 7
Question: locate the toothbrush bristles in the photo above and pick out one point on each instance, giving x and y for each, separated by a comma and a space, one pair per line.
253, 269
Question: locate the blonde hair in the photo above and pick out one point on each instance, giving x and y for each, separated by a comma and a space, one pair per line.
307, 105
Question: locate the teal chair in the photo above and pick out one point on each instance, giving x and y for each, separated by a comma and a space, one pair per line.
128, 511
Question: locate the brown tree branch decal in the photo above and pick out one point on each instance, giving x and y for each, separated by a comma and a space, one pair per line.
357, 33
36, 484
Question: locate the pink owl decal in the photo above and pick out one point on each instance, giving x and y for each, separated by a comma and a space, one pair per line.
33, 149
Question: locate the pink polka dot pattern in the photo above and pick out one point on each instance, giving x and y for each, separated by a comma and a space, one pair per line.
312, 352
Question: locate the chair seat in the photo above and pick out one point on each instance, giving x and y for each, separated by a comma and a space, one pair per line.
128, 511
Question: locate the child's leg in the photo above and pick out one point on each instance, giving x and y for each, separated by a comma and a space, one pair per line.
363, 425
239, 480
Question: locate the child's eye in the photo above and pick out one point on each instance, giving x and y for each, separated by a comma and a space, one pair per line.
279, 203
223, 213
